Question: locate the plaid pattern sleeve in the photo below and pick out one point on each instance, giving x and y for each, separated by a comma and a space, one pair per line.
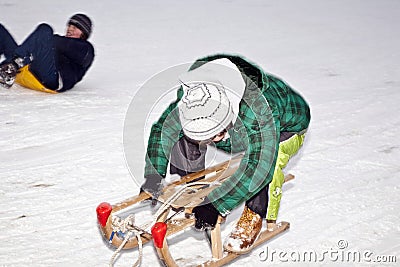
256, 131
163, 135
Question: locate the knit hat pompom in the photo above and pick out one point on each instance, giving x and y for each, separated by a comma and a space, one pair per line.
204, 110
83, 23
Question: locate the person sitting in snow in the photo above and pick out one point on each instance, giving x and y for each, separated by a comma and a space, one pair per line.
47, 61
269, 128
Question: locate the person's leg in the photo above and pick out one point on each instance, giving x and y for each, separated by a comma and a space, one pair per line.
287, 148
248, 227
258, 202
38, 51
187, 157
7, 43
8, 70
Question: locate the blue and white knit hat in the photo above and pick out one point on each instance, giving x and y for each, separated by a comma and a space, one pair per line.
82, 22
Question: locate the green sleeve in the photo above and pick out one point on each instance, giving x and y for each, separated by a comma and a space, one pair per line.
163, 135
256, 130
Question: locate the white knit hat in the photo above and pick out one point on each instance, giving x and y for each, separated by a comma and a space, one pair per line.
204, 110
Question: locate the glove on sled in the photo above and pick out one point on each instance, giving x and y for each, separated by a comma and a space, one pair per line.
153, 186
206, 215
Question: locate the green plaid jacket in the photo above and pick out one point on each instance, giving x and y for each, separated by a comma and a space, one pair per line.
268, 107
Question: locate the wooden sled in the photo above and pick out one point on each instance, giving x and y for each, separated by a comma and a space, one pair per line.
192, 190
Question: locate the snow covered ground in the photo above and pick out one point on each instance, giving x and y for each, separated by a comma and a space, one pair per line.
61, 155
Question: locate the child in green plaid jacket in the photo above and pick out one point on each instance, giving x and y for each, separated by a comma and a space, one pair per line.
269, 128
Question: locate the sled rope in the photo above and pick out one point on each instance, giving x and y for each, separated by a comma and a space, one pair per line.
126, 226
175, 196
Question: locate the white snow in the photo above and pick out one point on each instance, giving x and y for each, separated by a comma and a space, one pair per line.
61, 155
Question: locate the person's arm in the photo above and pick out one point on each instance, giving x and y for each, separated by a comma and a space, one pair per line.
164, 134
259, 131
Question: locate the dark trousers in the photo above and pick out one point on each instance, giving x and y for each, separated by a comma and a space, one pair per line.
187, 157
37, 50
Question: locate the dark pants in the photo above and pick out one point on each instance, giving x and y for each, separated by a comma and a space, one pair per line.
37, 50
187, 157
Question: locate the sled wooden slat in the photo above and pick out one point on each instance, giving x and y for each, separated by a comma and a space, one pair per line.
177, 225
195, 195
264, 236
216, 168
130, 201
173, 226
216, 242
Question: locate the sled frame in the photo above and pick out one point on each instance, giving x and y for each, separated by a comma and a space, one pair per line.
187, 201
